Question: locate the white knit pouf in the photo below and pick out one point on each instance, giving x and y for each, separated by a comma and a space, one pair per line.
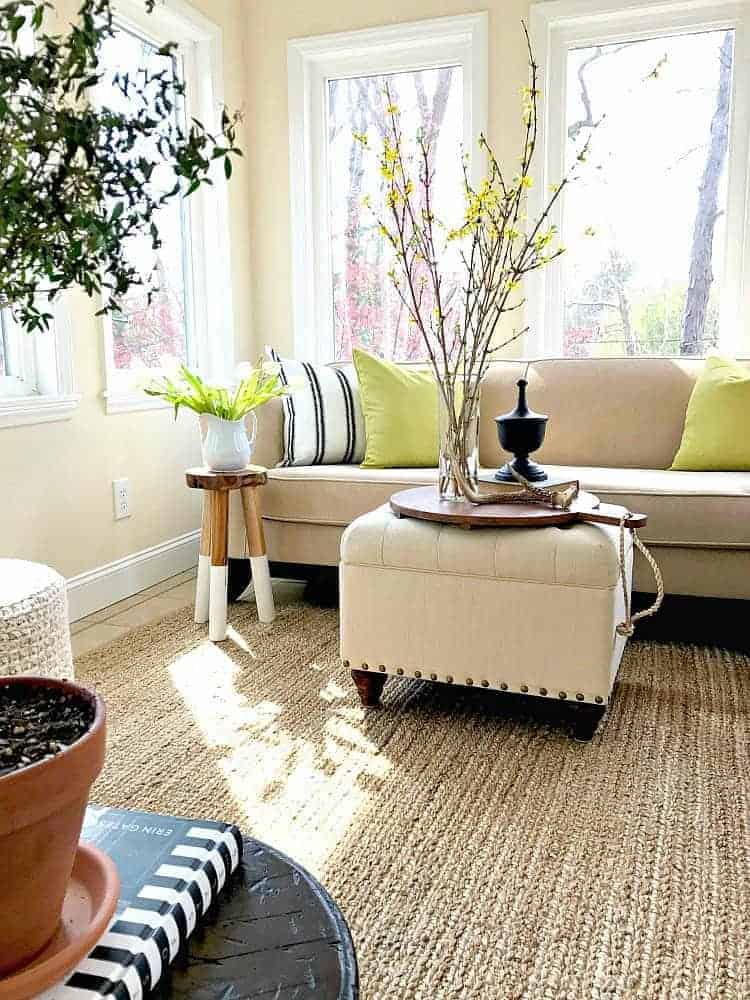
34, 630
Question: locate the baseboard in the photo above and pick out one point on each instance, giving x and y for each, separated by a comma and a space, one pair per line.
98, 588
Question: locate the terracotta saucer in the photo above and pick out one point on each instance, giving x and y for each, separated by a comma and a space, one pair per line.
88, 908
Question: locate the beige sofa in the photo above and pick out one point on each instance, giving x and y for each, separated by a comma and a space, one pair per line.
615, 424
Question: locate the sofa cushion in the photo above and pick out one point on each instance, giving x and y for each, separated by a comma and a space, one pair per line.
323, 419
691, 509
718, 408
623, 412
335, 494
400, 404
685, 508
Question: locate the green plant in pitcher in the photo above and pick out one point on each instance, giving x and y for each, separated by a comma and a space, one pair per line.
262, 384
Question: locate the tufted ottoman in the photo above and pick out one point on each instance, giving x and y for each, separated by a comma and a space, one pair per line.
34, 630
525, 610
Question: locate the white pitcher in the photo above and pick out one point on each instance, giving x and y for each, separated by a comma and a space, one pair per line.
228, 444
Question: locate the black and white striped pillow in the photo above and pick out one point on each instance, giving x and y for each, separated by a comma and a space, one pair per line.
323, 419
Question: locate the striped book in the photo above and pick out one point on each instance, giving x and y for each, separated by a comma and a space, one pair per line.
171, 870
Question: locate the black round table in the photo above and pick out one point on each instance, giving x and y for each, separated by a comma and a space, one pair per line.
274, 933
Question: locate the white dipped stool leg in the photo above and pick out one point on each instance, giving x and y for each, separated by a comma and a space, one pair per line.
202, 589
217, 621
202, 586
258, 559
263, 589
217, 615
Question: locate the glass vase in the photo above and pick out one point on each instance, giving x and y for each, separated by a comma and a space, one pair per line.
458, 438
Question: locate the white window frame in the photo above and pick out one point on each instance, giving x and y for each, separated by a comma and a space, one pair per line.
556, 26
312, 62
47, 388
200, 42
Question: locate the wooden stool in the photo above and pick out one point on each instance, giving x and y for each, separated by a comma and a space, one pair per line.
211, 587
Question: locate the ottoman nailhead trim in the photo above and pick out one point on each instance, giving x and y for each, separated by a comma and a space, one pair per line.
503, 686
346, 663
433, 677
524, 688
485, 684
400, 671
365, 667
542, 690
469, 681
449, 679
579, 696
417, 673
598, 699
381, 668
562, 695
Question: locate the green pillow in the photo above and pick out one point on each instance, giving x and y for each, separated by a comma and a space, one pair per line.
716, 437
400, 408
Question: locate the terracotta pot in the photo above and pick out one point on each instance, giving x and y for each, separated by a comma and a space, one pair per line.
41, 815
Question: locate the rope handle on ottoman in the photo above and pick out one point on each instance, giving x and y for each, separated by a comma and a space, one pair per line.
627, 628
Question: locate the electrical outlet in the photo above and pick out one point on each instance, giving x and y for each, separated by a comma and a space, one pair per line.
121, 497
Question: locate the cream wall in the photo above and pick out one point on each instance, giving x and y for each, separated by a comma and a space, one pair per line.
269, 24
56, 491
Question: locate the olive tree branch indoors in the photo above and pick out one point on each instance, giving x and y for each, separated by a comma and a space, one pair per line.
77, 181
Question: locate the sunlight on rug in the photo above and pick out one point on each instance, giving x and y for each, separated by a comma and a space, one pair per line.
474, 849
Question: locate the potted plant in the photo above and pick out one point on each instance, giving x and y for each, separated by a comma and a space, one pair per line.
228, 441
78, 181
52, 741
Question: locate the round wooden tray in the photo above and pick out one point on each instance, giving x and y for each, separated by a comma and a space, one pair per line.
425, 504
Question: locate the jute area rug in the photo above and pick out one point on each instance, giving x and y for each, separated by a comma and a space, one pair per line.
476, 851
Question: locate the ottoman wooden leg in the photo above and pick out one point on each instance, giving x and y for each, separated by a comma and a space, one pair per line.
586, 719
258, 559
217, 621
202, 585
369, 686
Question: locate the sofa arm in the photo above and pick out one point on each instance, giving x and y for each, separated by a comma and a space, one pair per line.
269, 443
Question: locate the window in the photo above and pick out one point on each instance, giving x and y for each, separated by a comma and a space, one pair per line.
654, 223
436, 72
36, 376
151, 334
191, 267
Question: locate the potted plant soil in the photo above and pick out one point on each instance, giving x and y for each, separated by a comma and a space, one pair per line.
229, 434
52, 742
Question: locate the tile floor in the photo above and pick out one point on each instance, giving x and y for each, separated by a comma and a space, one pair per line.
151, 604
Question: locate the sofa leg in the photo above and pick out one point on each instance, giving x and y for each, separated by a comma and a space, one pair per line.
238, 578
586, 719
369, 686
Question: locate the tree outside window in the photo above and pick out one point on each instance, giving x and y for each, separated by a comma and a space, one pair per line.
645, 227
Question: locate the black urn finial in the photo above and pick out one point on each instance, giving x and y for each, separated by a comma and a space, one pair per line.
521, 432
